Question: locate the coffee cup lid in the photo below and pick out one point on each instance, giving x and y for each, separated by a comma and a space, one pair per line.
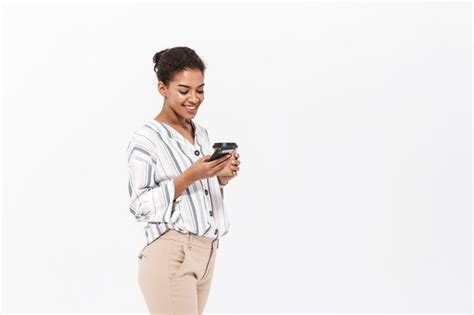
225, 145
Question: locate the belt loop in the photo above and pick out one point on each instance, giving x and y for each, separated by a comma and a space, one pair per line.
190, 239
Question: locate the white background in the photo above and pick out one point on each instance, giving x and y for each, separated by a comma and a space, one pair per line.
353, 122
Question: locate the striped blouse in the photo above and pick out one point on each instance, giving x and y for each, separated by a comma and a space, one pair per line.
157, 153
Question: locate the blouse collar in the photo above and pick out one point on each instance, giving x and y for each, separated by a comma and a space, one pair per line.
174, 134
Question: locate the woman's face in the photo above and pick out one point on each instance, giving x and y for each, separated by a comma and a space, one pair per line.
185, 92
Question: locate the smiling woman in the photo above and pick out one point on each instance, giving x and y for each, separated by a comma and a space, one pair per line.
180, 73
176, 191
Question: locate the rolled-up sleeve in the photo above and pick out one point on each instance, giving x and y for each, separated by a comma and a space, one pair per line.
149, 201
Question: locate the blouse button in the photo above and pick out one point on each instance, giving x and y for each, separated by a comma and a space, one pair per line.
211, 213
215, 232
196, 153
206, 192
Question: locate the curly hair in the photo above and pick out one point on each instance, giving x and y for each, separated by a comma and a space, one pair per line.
170, 61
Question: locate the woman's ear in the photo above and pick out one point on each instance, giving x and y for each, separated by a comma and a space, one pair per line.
162, 89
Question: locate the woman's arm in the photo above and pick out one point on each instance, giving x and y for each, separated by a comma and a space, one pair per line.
200, 169
181, 182
149, 201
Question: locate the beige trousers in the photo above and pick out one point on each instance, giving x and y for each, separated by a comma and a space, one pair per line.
175, 273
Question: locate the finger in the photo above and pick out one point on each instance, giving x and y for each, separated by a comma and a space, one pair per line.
220, 167
221, 159
205, 157
221, 162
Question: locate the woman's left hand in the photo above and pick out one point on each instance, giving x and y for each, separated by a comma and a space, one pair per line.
230, 170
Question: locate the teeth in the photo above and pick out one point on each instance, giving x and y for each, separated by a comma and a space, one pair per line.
190, 107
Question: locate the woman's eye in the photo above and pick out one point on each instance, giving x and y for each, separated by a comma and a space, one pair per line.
200, 92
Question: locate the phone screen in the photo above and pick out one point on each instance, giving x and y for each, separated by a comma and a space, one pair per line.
220, 152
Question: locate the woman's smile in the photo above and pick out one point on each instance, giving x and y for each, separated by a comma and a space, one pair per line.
191, 109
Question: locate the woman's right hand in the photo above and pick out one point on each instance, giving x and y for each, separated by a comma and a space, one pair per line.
202, 169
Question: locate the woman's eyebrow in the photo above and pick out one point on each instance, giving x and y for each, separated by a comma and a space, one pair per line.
189, 86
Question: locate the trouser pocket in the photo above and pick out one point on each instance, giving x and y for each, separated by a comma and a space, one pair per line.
177, 257
147, 249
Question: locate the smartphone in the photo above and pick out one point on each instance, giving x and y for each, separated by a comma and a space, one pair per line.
221, 149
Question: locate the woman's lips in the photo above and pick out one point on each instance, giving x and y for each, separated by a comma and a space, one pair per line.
191, 110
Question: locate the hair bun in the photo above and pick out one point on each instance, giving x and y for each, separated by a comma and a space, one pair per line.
157, 56
169, 61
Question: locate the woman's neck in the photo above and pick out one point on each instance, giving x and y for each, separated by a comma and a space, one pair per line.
173, 120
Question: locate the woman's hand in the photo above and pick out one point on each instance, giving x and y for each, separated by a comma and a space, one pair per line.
202, 169
230, 170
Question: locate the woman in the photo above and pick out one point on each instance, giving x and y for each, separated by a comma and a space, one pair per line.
176, 192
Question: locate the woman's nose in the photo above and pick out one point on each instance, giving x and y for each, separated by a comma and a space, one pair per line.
194, 98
